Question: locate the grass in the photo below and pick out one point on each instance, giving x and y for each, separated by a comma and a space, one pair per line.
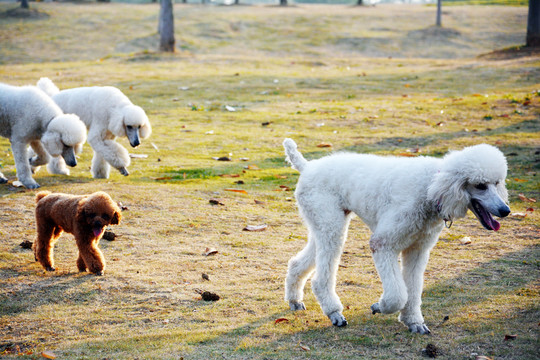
372, 79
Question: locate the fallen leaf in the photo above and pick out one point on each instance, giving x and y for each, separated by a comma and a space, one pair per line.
284, 188
109, 236
237, 190
48, 354
208, 295
520, 180
206, 277
305, 348
155, 146
482, 357
518, 215
244, 159
280, 320
465, 240
216, 202
222, 158
431, 351
210, 251
259, 202
255, 227
138, 156
229, 175
252, 167
280, 176
17, 183
229, 108
266, 123
324, 145
240, 182
530, 209
26, 244
522, 197
163, 178
510, 337
407, 154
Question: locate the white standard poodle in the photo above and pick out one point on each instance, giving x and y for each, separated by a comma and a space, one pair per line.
29, 117
405, 202
108, 114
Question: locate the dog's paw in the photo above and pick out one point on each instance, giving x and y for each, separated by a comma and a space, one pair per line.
338, 319
50, 268
375, 308
31, 184
123, 171
297, 305
98, 273
419, 329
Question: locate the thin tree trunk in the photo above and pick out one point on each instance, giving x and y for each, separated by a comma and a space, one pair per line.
360, 2
439, 10
282, 2
24, 4
166, 26
533, 24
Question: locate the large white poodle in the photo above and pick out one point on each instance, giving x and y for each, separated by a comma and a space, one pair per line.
108, 114
29, 117
405, 202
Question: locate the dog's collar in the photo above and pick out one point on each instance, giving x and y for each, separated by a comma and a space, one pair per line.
447, 220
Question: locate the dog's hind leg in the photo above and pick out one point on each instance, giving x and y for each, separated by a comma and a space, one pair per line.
44, 244
300, 268
414, 261
330, 232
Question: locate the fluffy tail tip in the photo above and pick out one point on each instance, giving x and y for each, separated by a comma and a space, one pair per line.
46, 85
40, 195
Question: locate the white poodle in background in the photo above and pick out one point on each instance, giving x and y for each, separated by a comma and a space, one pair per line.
29, 117
405, 202
108, 114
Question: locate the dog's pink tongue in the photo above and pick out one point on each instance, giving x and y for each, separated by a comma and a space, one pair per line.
97, 231
493, 224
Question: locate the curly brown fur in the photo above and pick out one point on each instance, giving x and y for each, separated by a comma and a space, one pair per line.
84, 216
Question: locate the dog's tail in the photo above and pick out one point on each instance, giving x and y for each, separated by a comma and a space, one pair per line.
294, 157
40, 195
47, 86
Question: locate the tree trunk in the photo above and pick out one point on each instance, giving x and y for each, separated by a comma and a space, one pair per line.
24, 4
166, 26
282, 2
360, 2
439, 11
533, 24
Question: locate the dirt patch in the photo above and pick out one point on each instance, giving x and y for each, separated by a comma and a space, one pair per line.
514, 52
20, 13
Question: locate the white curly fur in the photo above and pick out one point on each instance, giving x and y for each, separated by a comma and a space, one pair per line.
405, 202
29, 117
108, 114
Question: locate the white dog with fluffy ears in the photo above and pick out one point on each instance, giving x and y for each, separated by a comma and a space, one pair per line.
405, 202
108, 114
29, 117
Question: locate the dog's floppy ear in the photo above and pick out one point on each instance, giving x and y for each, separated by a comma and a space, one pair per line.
81, 215
116, 218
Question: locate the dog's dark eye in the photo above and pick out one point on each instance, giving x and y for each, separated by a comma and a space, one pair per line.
481, 186
105, 217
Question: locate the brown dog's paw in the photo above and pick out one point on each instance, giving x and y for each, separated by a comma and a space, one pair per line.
50, 268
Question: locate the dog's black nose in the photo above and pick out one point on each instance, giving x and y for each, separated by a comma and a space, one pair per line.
504, 211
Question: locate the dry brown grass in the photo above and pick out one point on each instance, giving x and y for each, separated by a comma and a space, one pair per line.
317, 73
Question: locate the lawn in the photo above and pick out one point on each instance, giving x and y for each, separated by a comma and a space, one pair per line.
378, 80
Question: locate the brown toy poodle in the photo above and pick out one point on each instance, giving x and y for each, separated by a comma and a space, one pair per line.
84, 216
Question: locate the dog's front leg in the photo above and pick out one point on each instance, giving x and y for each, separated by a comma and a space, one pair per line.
91, 255
24, 172
414, 262
394, 294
